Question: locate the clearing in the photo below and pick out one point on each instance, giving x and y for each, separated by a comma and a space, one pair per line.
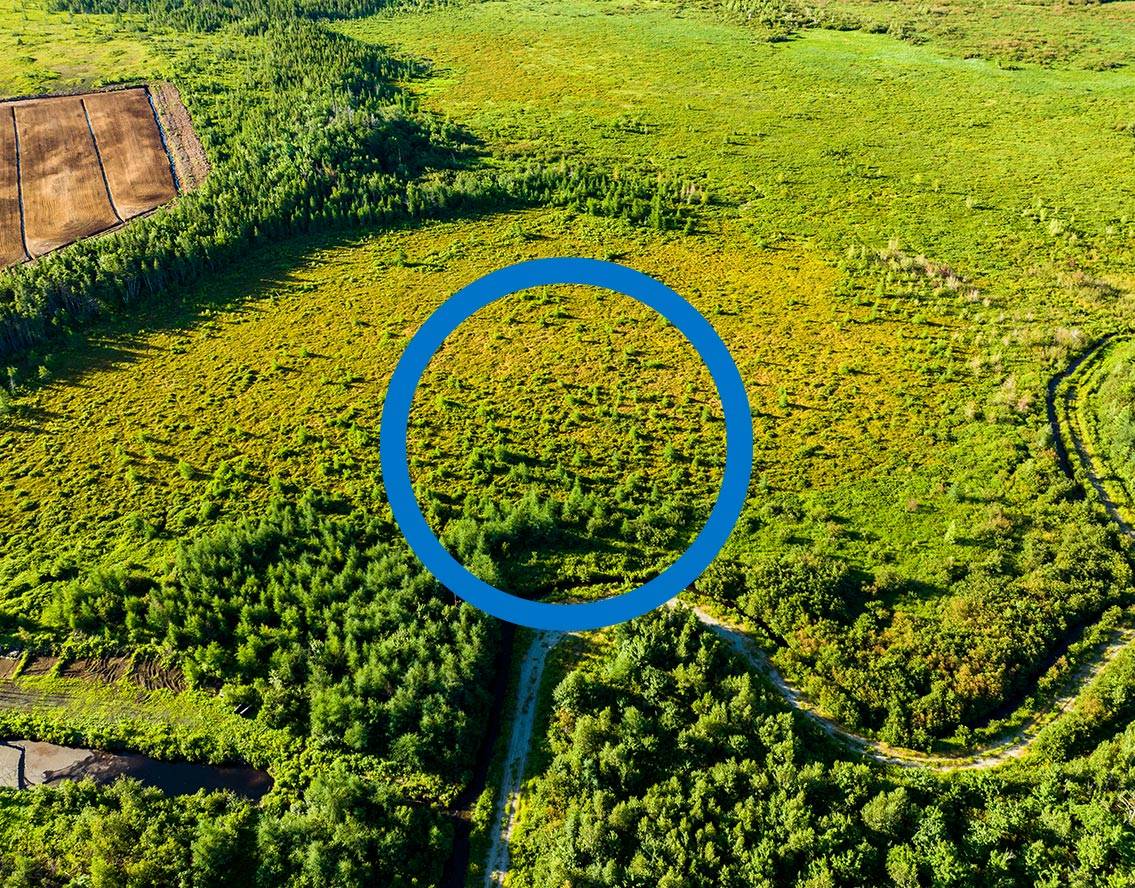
74, 166
63, 194
136, 165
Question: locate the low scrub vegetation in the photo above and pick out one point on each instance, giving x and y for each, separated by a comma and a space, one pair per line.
189, 416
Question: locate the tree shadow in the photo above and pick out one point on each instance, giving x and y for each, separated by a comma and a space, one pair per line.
419, 152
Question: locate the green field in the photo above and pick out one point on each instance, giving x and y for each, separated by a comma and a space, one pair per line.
899, 399
45, 52
903, 221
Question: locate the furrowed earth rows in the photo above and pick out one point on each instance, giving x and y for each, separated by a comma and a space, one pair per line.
98, 157
20, 184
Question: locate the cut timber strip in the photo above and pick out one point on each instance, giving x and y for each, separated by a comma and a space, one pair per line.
136, 165
64, 198
11, 222
185, 151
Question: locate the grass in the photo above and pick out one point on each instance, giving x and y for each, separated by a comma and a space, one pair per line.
166, 724
838, 137
276, 371
45, 52
841, 141
894, 409
1100, 410
147, 436
894, 241
1075, 35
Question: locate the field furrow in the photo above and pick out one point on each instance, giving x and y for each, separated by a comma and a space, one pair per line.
136, 164
11, 233
63, 194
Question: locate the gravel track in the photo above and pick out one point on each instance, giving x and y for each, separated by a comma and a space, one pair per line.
516, 759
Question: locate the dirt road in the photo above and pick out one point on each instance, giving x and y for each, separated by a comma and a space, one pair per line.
1011, 746
516, 759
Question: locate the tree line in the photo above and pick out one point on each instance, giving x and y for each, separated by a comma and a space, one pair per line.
316, 620
672, 765
306, 132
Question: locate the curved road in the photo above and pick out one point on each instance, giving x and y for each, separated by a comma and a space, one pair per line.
1012, 746
1016, 743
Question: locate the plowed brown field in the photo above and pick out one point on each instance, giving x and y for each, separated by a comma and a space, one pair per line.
64, 193
11, 236
73, 166
136, 164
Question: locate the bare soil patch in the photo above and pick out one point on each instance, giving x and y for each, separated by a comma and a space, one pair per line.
11, 225
64, 194
40, 666
27, 763
72, 166
185, 150
147, 674
107, 669
154, 677
136, 164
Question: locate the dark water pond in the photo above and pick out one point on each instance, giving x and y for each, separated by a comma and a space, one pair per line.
26, 763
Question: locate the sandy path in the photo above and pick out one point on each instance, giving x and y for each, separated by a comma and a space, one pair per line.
519, 741
1015, 744
1011, 746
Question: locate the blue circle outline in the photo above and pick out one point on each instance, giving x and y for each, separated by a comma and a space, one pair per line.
429, 338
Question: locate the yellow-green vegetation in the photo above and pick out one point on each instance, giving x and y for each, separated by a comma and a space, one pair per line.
1100, 404
1094, 36
194, 417
888, 291
841, 137
184, 724
969, 260
902, 225
44, 52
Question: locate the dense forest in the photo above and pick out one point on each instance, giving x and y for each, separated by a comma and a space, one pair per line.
350, 830
323, 624
674, 766
314, 617
667, 762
